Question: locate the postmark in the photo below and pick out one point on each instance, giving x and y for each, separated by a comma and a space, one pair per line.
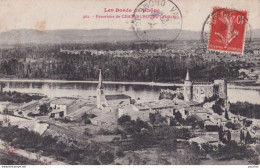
157, 20
227, 30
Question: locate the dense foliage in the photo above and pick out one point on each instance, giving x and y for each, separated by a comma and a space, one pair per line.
32, 141
246, 109
234, 151
49, 62
16, 97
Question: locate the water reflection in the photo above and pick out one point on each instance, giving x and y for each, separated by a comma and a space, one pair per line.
56, 89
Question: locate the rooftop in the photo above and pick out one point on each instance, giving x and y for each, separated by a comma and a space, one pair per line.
158, 104
63, 101
118, 96
197, 109
203, 139
192, 103
201, 117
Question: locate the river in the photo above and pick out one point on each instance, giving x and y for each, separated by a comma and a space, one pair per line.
141, 90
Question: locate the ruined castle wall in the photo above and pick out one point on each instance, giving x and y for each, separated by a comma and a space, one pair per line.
200, 92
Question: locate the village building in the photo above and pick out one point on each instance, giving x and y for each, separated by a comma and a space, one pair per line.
201, 91
61, 107
109, 100
205, 139
3, 106
119, 99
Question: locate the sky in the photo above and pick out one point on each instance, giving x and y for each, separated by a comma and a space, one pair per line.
68, 14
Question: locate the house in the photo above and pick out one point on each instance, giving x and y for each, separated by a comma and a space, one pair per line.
202, 117
119, 99
3, 105
11, 107
57, 113
204, 139
60, 107
194, 110
134, 113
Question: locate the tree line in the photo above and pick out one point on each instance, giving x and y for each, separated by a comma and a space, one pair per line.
245, 109
86, 67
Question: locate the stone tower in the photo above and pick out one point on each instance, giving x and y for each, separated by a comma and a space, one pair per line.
222, 88
187, 87
222, 91
100, 92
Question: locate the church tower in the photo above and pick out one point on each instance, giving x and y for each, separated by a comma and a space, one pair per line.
187, 87
100, 92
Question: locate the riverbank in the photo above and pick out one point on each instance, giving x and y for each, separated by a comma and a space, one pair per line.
231, 84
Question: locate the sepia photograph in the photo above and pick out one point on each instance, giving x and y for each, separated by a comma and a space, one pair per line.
129, 82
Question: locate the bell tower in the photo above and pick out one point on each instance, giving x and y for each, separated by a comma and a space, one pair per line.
187, 87
100, 92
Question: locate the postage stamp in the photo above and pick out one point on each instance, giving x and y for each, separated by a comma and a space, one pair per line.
157, 20
227, 32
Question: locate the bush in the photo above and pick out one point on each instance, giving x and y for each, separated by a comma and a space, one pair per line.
87, 121
106, 158
212, 128
135, 126
43, 109
29, 140
178, 116
64, 120
16, 97
123, 136
217, 109
120, 153
233, 151
31, 115
87, 132
152, 117
87, 116
103, 131
233, 126
123, 119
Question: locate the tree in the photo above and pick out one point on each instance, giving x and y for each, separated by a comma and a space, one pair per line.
217, 109
2, 86
242, 136
221, 135
245, 109
43, 109
159, 119
178, 116
167, 145
228, 135
226, 115
235, 126
106, 157
123, 119
248, 137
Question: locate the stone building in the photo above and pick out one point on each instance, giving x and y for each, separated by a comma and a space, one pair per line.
193, 91
109, 100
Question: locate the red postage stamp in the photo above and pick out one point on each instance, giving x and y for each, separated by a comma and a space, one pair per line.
227, 31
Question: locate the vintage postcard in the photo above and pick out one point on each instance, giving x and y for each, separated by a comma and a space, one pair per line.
129, 82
